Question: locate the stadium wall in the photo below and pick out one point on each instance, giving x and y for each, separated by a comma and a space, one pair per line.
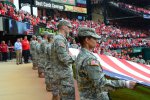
97, 13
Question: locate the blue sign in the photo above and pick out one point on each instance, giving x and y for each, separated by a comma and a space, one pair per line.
146, 16
81, 2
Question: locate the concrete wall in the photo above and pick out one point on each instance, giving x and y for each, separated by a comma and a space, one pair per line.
97, 13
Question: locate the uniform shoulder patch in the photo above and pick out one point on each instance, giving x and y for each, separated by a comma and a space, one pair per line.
61, 44
94, 63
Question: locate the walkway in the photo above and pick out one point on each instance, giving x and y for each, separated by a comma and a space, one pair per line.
20, 82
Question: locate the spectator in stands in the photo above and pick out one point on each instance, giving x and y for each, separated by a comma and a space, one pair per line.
26, 49
141, 59
18, 49
4, 50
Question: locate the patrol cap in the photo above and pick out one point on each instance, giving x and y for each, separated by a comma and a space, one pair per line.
50, 35
64, 23
86, 31
45, 33
33, 36
39, 38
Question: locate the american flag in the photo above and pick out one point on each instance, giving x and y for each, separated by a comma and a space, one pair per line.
122, 69
30, 29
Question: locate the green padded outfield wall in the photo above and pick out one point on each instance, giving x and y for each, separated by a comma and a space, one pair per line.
146, 53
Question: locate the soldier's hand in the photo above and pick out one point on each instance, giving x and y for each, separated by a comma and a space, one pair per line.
74, 57
130, 84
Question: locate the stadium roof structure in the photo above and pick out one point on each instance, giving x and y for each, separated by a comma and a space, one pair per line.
141, 3
114, 11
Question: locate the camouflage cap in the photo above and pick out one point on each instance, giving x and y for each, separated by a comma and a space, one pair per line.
85, 31
33, 36
45, 33
39, 37
50, 35
64, 23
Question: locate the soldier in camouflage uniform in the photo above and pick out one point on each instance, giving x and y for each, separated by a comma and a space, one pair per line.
39, 39
41, 69
48, 69
90, 77
62, 83
33, 51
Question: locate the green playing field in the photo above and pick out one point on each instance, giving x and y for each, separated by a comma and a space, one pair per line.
139, 93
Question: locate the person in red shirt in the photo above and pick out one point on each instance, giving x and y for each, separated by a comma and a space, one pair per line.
3, 11
4, 50
26, 49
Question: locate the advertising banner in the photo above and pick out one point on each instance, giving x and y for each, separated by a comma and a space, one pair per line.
69, 2
75, 9
49, 5
42, 29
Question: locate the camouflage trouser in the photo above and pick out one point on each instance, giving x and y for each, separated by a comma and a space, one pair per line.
34, 60
48, 74
41, 65
100, 96
38, 62
63, 86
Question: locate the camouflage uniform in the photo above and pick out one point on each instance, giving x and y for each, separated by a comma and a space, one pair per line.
48, 68
74, 46
90, 77
61, 61
41, 68
33, 52
38, 53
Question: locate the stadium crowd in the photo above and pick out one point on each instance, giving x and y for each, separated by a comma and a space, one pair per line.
112, 37
11, 12
134, 8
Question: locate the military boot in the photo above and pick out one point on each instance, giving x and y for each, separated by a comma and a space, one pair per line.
41, 75
34, 68
56, 97
48, 87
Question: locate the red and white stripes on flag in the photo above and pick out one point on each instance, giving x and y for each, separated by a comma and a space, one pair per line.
122, 68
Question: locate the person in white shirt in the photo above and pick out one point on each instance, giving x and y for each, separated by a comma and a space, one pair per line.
18, 49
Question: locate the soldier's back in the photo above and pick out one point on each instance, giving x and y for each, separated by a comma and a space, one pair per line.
59, 40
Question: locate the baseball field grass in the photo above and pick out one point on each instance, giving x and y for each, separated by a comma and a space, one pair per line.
139, 93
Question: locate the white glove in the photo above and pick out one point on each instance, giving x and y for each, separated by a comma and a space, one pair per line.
130, 84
